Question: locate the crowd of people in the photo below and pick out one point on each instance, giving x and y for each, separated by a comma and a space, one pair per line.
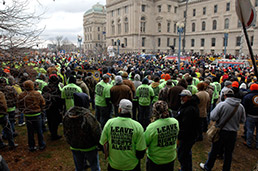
140, 106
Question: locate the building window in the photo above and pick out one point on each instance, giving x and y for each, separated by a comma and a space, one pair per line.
215, 9
193, 27
112, 13
143, 22
204, 11
238, 41
192, 42
113, 27
194, 12
214, 25
256, 3
228, 6
119, 26
98, 28
118, 11
168, 42
174, 27
239, 24
126, 25
126, 9
226, 24
252, 40
159, 8
168, 27
203, 26
174, 42
175, 9
159, 27
112, 42
125, 42
202, 42
225, 42
213, 42
169, 8
98, 36
143, 41
143, 8
159, 42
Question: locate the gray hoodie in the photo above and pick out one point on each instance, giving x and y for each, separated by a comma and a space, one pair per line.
222, 111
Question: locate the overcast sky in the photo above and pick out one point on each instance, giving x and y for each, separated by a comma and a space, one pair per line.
63, 17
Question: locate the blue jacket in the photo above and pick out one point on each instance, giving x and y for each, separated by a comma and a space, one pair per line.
250, 102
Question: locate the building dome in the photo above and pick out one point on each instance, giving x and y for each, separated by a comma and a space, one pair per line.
96, 8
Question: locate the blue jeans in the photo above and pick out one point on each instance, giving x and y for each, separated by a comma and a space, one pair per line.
12, 120
251, 124
227, 139
102, 114
34, 124
21, 118
80, 158
144, 115
6, 130
184, 153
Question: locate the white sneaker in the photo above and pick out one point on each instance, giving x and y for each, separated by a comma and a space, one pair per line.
21, 124
202, 166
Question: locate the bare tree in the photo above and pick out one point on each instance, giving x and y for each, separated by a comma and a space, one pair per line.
18, 27
59, 40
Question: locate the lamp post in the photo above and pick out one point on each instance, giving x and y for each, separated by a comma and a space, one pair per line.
225, 43
118, 44
180, 30
80, 41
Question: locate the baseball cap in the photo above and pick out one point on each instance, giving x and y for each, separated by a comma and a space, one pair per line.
227, 83
105, 76
254, 87
126, 106
235, 84
228, 92
185, 93
118, 80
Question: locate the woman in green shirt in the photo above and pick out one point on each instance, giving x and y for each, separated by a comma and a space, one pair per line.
161, 137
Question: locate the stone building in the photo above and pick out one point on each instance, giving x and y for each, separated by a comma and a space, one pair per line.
151, 26
94, 27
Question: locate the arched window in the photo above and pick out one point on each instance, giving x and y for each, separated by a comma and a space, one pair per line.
113, 27
143, 24
203, 26
214, 25
159, 27
126, 25
193, 27
226, 26
119, 26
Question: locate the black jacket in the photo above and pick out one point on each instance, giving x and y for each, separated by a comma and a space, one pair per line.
188, 118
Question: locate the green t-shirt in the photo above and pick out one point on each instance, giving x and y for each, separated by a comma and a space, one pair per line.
195, 81
163, 84
41, 83
156, 91
218, 88
102, 91
215, 93
192, 88
175, 82
144, 93
124, 137
67, 94
161, 137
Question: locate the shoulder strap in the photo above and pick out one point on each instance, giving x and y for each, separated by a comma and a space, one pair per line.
230, 116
